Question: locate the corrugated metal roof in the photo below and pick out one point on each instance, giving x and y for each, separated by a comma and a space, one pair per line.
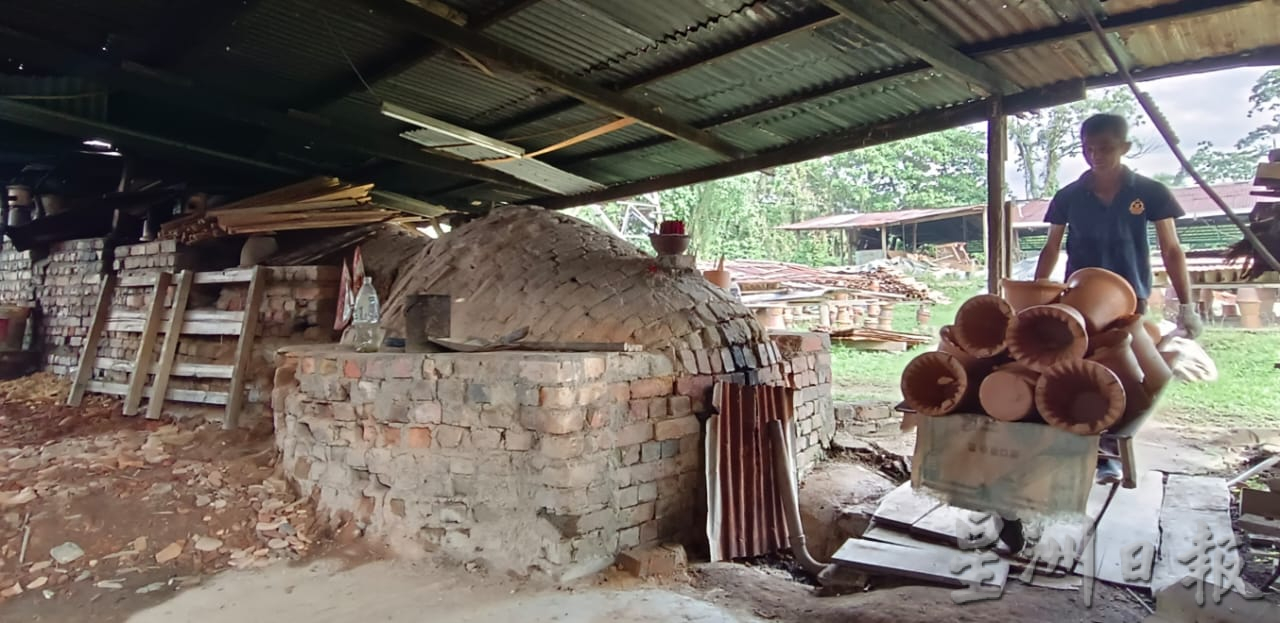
787, 90
1193, 200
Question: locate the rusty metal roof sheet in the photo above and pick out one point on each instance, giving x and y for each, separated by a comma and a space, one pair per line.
1194, 201
882, 219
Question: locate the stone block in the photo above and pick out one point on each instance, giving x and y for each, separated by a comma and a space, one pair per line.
631, 454
451, 391
391, 436
528, 395
517, 440
558, 397
594, 367
631, 434
462, 466
546, 372
675, 428
449, 436
423, 390
658, 408
647, 491
628, 496
477, 393
638, 410
425, 413
670, 448
555, 421
680, 406
560, 446
486, 438
654, 560
459, 414
650, 452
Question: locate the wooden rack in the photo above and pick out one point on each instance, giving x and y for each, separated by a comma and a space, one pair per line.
173, 323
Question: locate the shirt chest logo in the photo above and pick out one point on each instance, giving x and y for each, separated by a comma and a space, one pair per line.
1137, 207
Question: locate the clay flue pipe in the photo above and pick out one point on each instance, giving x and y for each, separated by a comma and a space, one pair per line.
1009, 393
1102, 297
980, 325
938, 383
1045, 335
1080, 396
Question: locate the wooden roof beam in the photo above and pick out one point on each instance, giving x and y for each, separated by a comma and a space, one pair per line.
180, 93
401, 60
894, 30
516, 62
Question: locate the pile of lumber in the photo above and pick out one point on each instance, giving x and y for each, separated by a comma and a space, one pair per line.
319, 203
1264, 221
764, 275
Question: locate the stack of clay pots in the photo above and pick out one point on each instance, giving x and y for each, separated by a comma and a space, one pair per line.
1073, 355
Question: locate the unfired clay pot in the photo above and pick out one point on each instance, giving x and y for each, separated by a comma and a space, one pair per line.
938, 383
1102, 297
1044, 335
1009, 393
981, 323
1156, 372
1024, 294
1080, 396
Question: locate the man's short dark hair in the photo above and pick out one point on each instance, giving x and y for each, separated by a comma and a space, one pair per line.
1105, 123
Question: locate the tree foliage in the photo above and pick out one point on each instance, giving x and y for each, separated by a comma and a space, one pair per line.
738, 217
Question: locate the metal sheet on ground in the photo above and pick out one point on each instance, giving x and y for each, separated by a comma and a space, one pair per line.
931, 565
904, 506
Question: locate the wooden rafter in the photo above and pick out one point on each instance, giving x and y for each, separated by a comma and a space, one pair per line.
518, 63
894, 30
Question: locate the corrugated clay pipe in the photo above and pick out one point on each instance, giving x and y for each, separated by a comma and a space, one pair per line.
785, 475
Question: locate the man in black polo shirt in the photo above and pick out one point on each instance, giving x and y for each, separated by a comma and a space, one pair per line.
1106, 213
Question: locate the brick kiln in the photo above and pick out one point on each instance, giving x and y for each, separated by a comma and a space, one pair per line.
544, 461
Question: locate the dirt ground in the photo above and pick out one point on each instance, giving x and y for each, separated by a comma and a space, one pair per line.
186, 522
109, 514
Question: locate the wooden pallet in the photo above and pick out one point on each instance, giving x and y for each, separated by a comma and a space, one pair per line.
172, 323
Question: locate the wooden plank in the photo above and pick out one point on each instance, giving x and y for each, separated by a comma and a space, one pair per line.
179, 395
921, 564
193, 370
89, 350
244, 348
192, 315
189, 327
230, 275
146, 349
903, 507
173, 332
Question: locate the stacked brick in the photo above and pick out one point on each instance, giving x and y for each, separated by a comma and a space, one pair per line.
161, 255
17, 286
807, 369
569, 281
67, 287
528, 461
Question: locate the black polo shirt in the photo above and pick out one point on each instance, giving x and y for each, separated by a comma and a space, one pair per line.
1113, 236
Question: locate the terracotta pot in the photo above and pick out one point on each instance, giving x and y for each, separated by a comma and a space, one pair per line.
938, 383
1009, 393
1102, 297
981, 324
1114, 349
1081, 397
721, 278
1045, 335
1156, 373
947, 343
1024, 294
669, 244
1153, 330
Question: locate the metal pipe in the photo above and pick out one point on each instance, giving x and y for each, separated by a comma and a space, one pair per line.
786, 480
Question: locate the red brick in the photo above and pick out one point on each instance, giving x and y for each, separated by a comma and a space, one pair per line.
419, 437
351, 369
597, 419
639, 410
649, 388
676, 428
391, 435
308, 365
619, 392
557, 397
402, 368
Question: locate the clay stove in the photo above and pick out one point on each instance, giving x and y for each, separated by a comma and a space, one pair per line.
539, 461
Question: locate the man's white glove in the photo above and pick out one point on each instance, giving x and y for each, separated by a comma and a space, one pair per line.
1189, 321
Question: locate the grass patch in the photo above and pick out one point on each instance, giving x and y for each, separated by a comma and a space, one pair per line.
1246, 393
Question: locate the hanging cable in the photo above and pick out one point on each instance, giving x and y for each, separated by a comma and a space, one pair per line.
1167, 134
338, 44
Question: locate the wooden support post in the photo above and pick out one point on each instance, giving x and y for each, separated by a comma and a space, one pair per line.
89, 351
169, 350
146, 348
244, 348
884, 241
1006, 218
997, 135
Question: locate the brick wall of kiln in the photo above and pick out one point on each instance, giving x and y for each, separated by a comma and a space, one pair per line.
17, 283
547, 461
66, 286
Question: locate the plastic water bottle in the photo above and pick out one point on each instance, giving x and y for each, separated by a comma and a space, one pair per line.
364, 319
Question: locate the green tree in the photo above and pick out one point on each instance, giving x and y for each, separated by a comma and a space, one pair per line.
1043, 140
1239, 163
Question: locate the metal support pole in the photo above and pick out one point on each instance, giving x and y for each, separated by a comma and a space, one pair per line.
997, 225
